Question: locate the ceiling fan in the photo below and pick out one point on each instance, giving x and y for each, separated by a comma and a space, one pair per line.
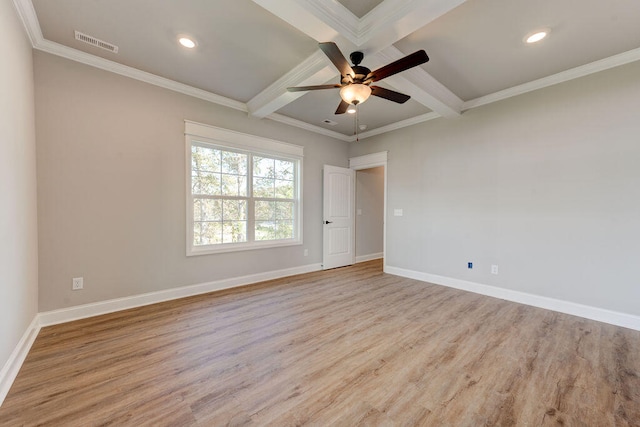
355, 81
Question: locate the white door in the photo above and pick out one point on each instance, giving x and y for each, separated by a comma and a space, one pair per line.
339, 222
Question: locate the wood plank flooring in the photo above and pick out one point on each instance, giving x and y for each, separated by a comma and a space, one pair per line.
350, 346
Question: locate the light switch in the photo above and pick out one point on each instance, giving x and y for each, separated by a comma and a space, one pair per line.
397, 212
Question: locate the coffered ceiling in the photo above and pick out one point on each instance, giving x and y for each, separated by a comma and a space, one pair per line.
249, 52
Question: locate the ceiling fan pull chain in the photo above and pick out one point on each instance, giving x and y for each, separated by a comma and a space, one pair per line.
356, 123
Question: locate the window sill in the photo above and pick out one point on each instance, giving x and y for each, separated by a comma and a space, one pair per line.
239, 247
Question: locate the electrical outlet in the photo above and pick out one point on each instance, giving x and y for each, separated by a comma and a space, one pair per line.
77, 283
494, 269
306, 252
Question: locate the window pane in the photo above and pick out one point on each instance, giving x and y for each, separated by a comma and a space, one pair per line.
284, 210
234, 163
205, 183
263, 187
234, 185
221, 201
234, 210
205, 159
207, 233
234, 231
285, 229
284, 169
264, 210
207, 210
284, 189
265, 230
263, 167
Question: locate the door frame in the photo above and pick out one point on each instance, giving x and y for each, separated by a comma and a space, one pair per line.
369, 161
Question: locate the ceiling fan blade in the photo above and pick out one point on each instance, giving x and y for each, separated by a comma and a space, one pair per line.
333, 53
342, 108
303, 88
391, 95
402, 64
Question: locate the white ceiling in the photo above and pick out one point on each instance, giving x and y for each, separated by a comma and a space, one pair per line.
249, 52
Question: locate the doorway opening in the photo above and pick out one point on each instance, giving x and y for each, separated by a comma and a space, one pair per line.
370, 206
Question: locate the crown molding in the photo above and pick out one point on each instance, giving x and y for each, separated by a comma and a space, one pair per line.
306, 126
395, 126
374, 25
134, 73
27, 14
554, 79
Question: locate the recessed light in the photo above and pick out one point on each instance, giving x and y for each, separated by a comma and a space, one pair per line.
536, 36
187, 42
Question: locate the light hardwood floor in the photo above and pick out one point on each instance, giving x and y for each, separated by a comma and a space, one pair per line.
350, 346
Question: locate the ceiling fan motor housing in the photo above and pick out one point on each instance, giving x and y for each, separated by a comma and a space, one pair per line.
361, 73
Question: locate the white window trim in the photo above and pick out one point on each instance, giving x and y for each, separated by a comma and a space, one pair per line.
224, 138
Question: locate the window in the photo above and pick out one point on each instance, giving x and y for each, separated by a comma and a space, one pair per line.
243, 192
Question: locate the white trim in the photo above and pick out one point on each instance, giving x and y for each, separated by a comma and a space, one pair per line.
368, 29
368, 160
29, 19
16, 359
103, 307
306, 126
336, 16
422, 86
313, 70
134, 73
398, 125
574, 73
370, 257
589, 312
239, 139
393, 20
371, 161
202, 134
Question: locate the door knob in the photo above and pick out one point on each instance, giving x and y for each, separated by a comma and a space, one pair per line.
328, 222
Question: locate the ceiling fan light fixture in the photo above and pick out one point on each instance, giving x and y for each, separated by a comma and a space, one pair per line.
355, 93
187, 42
351, 109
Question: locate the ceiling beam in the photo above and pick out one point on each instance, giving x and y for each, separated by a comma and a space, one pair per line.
328, 20
393, 20
314, 70
322, 20
422, 87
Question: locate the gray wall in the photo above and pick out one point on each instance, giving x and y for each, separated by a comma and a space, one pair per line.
546, 185
18, 222
370, 201
111, 186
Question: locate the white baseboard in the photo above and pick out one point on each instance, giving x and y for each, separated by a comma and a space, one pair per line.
12, 366
589, 312
370, 257
103, 307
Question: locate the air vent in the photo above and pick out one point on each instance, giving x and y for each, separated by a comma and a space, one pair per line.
96, 42
329, 122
